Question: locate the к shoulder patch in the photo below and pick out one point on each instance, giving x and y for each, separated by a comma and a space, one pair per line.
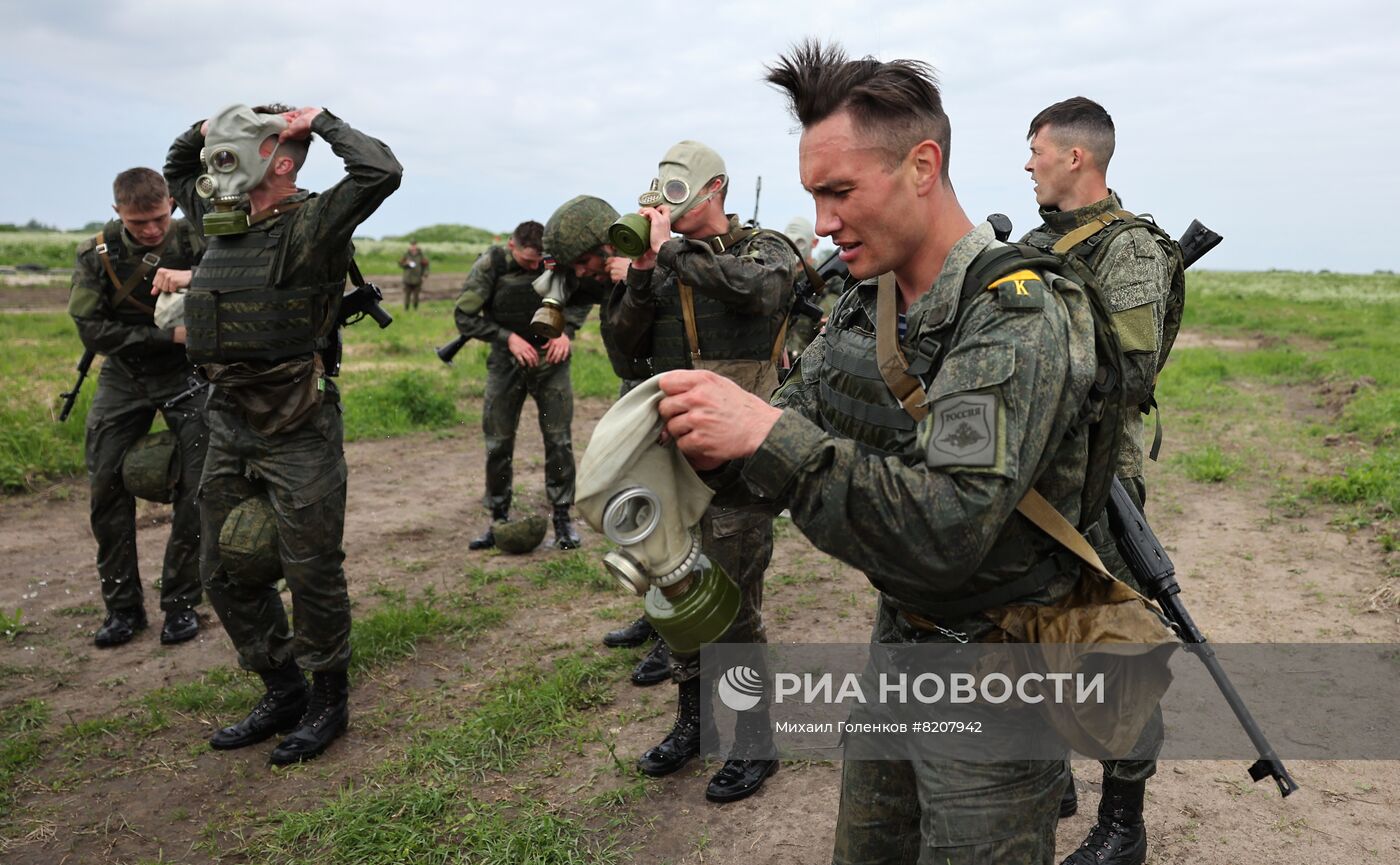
1020, 290
964, 431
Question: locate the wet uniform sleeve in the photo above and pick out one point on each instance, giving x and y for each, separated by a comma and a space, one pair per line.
1135, 277
371, 175
753, 282
474, 303
182, 169
98, 327
928, 524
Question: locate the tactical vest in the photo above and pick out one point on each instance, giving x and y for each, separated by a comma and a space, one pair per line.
121, 264
1085, 248
237, 309
514, 300
857, 403
723, 333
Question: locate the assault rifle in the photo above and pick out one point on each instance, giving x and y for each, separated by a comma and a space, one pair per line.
197, 384
1153, 568
70, 396
805, 295
359, 302
447, 352
1196, 242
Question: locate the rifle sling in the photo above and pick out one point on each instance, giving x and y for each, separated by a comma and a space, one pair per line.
1089, 229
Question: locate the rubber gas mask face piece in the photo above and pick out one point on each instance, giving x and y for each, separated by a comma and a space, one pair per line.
234, 165
644, 496
682, 181
553, 286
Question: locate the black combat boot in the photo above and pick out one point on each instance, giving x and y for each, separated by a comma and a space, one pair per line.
487, 539
327, 716
1119, 836
739, 777
179, 626
565, 538
655, 668
277, 712
120, 627
683, 742
1069, 800
629, 635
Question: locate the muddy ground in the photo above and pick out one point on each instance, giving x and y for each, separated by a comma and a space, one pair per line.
1250, 572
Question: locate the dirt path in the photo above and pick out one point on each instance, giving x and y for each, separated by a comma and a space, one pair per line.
1250, 576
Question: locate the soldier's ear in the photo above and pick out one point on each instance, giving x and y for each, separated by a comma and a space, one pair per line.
926, 160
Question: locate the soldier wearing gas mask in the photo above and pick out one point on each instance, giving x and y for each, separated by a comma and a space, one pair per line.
586, 268
500, 305
715, 298
113, 279
262, 315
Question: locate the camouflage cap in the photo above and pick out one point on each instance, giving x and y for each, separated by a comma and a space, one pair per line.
522, 535
579, 225
149, 468
248, 541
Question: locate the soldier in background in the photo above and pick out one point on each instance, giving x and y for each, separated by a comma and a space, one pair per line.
496, 306
415, 272
111, 305
715, 298
803, 329
1071, 144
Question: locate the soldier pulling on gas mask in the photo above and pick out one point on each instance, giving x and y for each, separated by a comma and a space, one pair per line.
263, 315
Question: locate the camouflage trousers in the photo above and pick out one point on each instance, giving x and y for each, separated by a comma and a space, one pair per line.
944, 811
411, 294
123, 407
1150, 741
507, 384
303, 474
740, 540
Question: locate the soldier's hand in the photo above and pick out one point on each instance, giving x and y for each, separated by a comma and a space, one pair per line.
178, 335
617, 268
298, 123
660, 219
712, 419
524, 353
557, 349
169, 281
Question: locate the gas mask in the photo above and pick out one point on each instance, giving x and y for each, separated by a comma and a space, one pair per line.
681, 181
234, 165
553, 286
647, 499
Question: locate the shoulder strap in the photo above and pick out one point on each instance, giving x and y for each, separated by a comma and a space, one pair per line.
1035, 508
906, 388
1091, 228
692, 333
124, 289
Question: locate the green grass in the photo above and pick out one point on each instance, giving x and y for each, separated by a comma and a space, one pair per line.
423, 807
12, 625
21, 734
1312, 330
391, 381
1208, 465
46, 248
573, 570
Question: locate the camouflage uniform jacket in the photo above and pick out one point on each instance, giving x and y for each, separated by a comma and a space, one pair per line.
499, 298
415, 267
925, 528
317, 249
1134, 275
750, 280
128, 335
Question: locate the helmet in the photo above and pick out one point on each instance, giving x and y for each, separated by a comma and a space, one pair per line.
520, 536
149, 468
580, 224
248, 541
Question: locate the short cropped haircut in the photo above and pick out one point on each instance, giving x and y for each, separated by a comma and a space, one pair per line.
896, 102
1078, 122
141, 189
528, 235
296, 149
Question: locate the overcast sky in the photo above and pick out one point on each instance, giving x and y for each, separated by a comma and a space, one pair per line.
1277, 127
